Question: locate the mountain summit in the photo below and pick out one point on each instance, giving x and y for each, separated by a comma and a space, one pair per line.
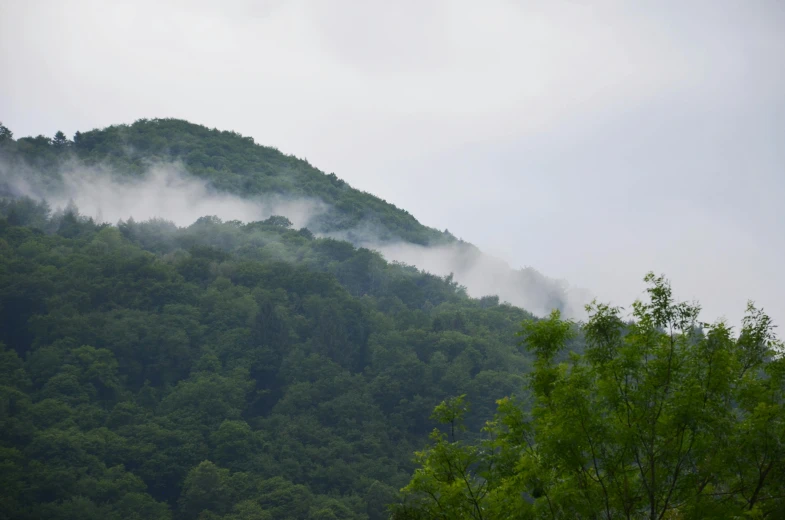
176, 170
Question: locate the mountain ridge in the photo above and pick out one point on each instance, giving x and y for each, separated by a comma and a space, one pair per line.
228, 162
233, 163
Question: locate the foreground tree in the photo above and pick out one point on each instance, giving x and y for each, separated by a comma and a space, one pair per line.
661, 417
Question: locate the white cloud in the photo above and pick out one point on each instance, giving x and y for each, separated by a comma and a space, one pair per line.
165, 191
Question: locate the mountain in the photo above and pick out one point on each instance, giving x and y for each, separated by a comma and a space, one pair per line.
170, 154
223, 368
210, 358
229, 162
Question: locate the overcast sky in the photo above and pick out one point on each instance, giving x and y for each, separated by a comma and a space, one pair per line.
592, 140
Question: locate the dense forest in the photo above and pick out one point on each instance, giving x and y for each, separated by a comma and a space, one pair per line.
234, 369
254, 370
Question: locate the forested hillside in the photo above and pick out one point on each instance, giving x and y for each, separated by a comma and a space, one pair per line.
258, 369
229, 163
226, 370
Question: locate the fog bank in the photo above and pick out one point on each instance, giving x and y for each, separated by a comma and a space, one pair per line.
165, 191
168, 191
484, 275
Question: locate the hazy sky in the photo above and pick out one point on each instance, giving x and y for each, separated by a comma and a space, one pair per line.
592, 140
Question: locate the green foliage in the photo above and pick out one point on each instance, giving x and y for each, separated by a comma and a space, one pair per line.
5, 133
254, 371
660, 417
452, 412
225, 370
228, 162
60, 141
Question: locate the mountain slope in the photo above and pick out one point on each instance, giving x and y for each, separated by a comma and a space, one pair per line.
231, 163
175, 151
224, 368
220, 369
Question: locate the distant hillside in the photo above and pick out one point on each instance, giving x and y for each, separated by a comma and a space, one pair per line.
227, 162
224, 370
233, 367
232, 163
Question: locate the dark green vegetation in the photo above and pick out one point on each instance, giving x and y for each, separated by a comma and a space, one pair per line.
228, 161
254, 371
660, 418
227, 370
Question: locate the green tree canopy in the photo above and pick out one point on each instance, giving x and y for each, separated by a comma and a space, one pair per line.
661, 417
5, 133
60, 140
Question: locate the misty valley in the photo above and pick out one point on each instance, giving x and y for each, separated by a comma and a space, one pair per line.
195, 326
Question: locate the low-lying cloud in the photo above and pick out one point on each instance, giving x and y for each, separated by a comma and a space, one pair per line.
484, 275
480, 273
169, 192
165, 191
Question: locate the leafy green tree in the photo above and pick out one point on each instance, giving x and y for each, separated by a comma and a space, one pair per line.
27, 212
60, 141
140, 506
5, 133
234, 445
248, 510
278, 221
284, 499
11, 482
206, 488
660, 417
453, 480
